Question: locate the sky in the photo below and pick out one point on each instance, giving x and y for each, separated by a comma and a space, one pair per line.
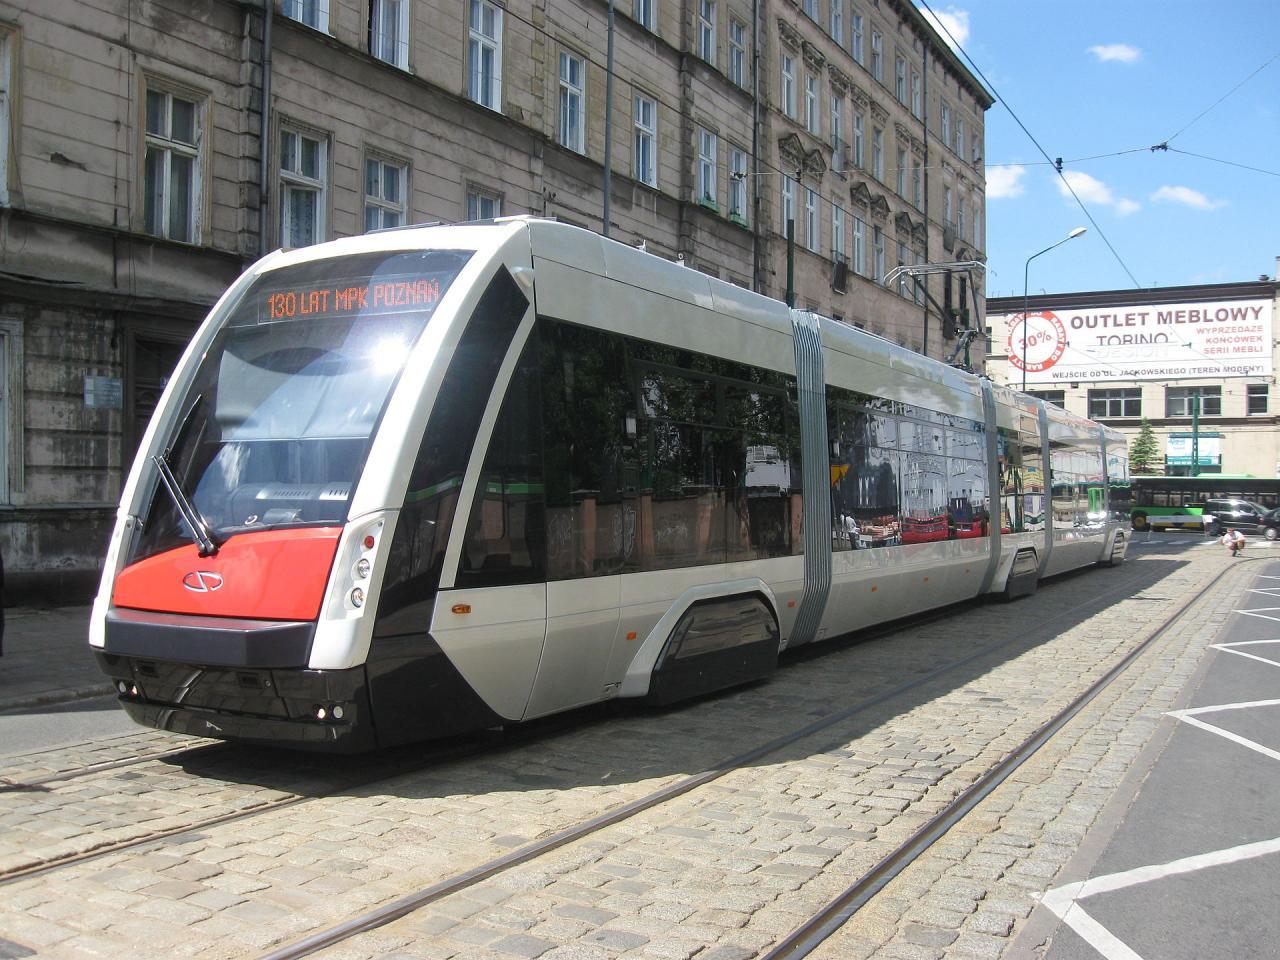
1092, 78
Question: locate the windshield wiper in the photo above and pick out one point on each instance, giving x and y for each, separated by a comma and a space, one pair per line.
195, 523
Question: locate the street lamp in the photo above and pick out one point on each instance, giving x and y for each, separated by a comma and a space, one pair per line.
1026, 273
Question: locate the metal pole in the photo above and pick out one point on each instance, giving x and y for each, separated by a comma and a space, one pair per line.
264, 132
608, 125
1195, 433
791, 263
1026, 272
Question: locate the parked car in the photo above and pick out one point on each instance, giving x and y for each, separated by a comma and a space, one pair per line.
1271, 524
1244, 515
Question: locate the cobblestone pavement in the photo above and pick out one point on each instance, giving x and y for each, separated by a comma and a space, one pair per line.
720, 873
70, 759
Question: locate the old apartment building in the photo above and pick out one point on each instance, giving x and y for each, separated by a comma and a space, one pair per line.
150, 149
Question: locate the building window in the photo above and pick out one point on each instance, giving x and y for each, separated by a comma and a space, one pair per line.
788, 204
917, 285
877, 252
916, 180
738, 185
642, 11
811, 105
977, 153
837, 21
389, 31
858, 138
738, 52
646, 137
788, 64
855, 21
900, 172
837, 134
1056, 397
877, 153
915, 95
811, 9
1256, 398
482, 205
946, 124
1125, 402
859, 247
900, 79
484, 55
837, 232
314, 13
707, 31
904, 280
947, 208
171, 176
977, 215
1178, 401
811, 219
572, 121
960, 224
707, 168
877, 56
960, 136
384, 194
303, 179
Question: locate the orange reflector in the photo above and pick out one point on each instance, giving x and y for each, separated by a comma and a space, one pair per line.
874, 589
369, 541
791, 603
462, 608
926, 579
631, 634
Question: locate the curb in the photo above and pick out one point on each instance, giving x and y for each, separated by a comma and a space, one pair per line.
57, 697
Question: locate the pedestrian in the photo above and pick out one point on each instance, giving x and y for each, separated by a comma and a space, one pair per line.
1233, 540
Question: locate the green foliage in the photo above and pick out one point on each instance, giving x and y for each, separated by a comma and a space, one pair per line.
1144, 451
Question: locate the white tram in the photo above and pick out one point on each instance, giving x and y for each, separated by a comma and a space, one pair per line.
444, 478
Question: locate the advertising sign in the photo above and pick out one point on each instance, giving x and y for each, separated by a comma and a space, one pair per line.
1178, 451
1228, 338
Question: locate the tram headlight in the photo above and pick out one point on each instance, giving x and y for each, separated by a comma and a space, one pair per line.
362, 568
357, 597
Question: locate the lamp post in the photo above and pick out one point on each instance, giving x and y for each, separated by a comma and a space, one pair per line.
1026, 273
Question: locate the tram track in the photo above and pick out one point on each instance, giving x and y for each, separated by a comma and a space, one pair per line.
449, 886
10, 785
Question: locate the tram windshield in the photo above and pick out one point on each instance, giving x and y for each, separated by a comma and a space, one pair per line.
276, 425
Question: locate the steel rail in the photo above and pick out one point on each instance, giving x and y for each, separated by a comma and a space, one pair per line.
8, 785
403, 906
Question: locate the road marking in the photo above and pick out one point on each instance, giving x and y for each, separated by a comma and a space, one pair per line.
1191, 716
1063, 901
1263, 612
1230, 648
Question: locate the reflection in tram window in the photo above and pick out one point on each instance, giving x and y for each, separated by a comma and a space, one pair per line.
1033, 476
924, 498
966, 499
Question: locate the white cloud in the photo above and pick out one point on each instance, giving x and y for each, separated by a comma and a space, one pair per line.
955, 21
1187, 197
1005, 182
1091, 190
1116, 52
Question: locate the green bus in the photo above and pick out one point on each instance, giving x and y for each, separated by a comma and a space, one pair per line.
1177, 503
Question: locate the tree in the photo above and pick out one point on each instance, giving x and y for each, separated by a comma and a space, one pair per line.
1144, 451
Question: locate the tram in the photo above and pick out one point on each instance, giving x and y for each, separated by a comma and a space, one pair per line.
446, 478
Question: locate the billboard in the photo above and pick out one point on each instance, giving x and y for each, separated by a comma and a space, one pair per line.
1178, 450
1163, 341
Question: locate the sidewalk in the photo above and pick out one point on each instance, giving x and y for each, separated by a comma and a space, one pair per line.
47, 659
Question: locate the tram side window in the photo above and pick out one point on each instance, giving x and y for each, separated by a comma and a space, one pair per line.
1119, 491
1009, 457
967, 513
865, 490
1033, 475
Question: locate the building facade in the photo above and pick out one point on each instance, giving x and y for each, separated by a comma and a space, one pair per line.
1196, 362
150, 151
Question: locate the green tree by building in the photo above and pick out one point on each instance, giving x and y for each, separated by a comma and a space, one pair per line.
1144, 451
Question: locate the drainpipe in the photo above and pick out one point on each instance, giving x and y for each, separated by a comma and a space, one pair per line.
755, 146
264, 133
608, 126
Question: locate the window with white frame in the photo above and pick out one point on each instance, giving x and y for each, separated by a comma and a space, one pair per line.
811, 219
643, 12
484, 54
976, 236
811, 122
837, 232
877, 253
384, 193
389, 31
314, 13
172, 166
917, 185
877, 55
707, 30
877, 153
900, 79
960, 136
837, 133
837, 21
811, 9
916, 99
858, 138
960, 218
738, 184
788, 203
788, 67
917, 286
572, 120
706, 167
859, 246
483, 205
737, 52
946, 124
645, 167
900, 172
904, 281
855, 45
976, 154
1256, 397
947, 206
303, 187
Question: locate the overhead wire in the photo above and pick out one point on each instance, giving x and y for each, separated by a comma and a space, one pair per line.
1215, 103
1018, 120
